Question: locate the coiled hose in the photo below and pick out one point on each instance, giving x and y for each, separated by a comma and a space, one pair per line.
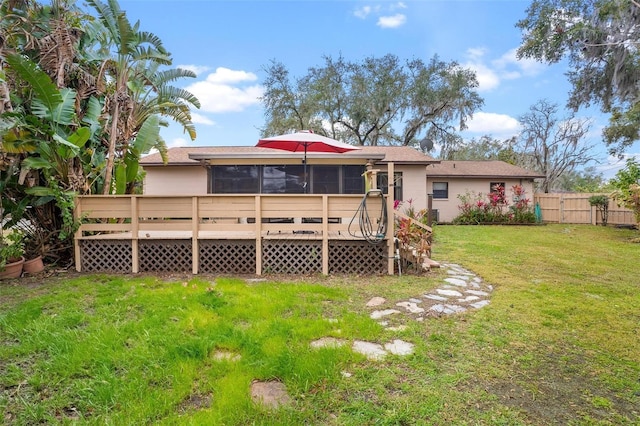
370, 232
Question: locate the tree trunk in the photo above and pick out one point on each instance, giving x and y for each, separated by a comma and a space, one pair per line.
113, 139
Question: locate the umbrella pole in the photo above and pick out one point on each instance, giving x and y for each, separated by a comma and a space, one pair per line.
305, 168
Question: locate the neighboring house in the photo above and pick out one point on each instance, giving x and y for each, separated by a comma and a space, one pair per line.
449, 179
249, 170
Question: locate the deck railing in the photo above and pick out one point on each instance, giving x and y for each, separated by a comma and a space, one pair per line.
136, 218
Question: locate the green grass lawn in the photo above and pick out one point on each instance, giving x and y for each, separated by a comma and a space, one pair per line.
558, 344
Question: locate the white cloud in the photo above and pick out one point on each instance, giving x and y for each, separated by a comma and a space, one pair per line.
497, 125
201, 119
222, 91
362, 12
394, 21
197, 69
387, 18
526, 66
226, 75
507, 67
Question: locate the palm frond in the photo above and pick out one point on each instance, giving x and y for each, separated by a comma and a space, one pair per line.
46, 92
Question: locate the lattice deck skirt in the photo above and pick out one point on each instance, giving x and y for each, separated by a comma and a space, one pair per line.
234, 256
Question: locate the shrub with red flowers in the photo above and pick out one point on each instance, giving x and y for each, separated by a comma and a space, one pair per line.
409, 232
475, 208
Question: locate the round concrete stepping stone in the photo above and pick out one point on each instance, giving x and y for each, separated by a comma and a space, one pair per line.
386, 312
372, 351
411, 307
376, 301
399, 347
328, 342
271, 394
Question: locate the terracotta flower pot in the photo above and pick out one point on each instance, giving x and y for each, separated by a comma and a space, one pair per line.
33, 266
12, 270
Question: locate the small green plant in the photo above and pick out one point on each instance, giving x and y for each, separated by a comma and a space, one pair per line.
601, 203
11, 248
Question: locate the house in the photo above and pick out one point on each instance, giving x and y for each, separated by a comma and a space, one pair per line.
261, 210
250, 170
447, 180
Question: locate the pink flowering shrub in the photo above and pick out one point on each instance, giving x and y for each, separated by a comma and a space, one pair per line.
494, 208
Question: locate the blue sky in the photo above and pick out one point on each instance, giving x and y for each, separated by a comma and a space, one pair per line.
228, 43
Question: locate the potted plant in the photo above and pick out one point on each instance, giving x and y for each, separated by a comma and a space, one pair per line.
33, 251
11, 255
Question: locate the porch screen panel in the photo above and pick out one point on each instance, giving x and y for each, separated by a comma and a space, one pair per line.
352, 179
284, 179
235, 180
326, 180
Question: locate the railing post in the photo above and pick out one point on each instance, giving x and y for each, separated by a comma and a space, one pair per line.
77, 211
195, 230
325, 234
135, 261
258, 232
391, 218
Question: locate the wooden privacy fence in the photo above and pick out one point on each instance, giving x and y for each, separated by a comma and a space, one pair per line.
309, 233
575, 208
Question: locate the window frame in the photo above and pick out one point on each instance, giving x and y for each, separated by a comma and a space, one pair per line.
437, 193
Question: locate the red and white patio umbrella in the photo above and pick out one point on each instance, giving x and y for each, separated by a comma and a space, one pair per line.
305, 141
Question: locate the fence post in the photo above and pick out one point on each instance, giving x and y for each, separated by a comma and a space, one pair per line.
135, 260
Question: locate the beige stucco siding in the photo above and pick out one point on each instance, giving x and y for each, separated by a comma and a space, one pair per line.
448, 208
413, 185
175, 180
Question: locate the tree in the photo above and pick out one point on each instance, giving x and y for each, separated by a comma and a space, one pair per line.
128, 53
627, 184
600, 40
552, 146
585, 180
485, 148
376, 101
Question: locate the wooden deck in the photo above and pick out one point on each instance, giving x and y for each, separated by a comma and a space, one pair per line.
268, 232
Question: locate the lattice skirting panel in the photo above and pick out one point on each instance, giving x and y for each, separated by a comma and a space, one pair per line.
291, 257
112, 256
357, 257
165, 255
227, 256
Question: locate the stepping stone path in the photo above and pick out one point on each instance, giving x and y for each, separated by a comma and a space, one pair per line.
459, 292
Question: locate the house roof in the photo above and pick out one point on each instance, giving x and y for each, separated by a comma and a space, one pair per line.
487, 169
193, 155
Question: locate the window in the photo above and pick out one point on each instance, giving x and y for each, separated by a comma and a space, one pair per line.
286, 179
235, 180
440, 190
352, 179
383, 184
326, 180
493, 186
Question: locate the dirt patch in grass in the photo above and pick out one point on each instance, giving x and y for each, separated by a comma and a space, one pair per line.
195, 402
558, 391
